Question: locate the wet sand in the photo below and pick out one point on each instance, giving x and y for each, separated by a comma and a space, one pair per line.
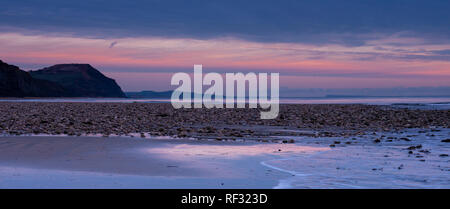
92, 154
155, 146
421, 161
124, 162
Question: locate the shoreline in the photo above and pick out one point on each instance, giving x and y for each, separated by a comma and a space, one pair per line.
414, 158
125, 162
161, 119
135, 163
152, 145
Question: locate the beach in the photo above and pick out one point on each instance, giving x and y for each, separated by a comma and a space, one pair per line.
118, 162
161, 119
152, 145
132, 162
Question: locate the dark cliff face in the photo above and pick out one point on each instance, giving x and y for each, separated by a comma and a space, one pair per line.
81, 80
18, 83
65, 80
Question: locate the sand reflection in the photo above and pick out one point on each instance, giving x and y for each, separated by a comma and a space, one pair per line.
182, 151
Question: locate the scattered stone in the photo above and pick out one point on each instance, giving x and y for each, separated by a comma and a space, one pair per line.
161, 119
405, 139
411, 148
414, 147
377, 169
424, 151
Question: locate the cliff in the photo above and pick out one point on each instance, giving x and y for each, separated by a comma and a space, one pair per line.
81, 80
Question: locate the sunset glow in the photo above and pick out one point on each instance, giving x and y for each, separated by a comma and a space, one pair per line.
345, 45
378, 60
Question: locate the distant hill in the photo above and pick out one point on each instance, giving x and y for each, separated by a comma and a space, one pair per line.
150, 94
81, 80
155, 95
65, 80
15, 82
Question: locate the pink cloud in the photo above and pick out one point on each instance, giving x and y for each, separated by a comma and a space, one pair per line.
331, 65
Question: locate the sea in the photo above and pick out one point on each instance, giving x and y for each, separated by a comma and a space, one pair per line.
407, 102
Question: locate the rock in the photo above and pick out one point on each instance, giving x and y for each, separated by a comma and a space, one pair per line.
405, 139
414, 147
15, 82
377, 169
411, 148
163, 120
445, 140
424, 151
80, 80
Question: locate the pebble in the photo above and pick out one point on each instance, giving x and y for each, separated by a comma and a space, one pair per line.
161, 119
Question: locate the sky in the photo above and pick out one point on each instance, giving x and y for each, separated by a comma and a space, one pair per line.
312, 44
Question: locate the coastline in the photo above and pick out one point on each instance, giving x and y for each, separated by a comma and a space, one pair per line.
151, 145
119, 162
161, 119
131, 162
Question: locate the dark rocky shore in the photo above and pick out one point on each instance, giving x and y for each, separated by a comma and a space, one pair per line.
17, 118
